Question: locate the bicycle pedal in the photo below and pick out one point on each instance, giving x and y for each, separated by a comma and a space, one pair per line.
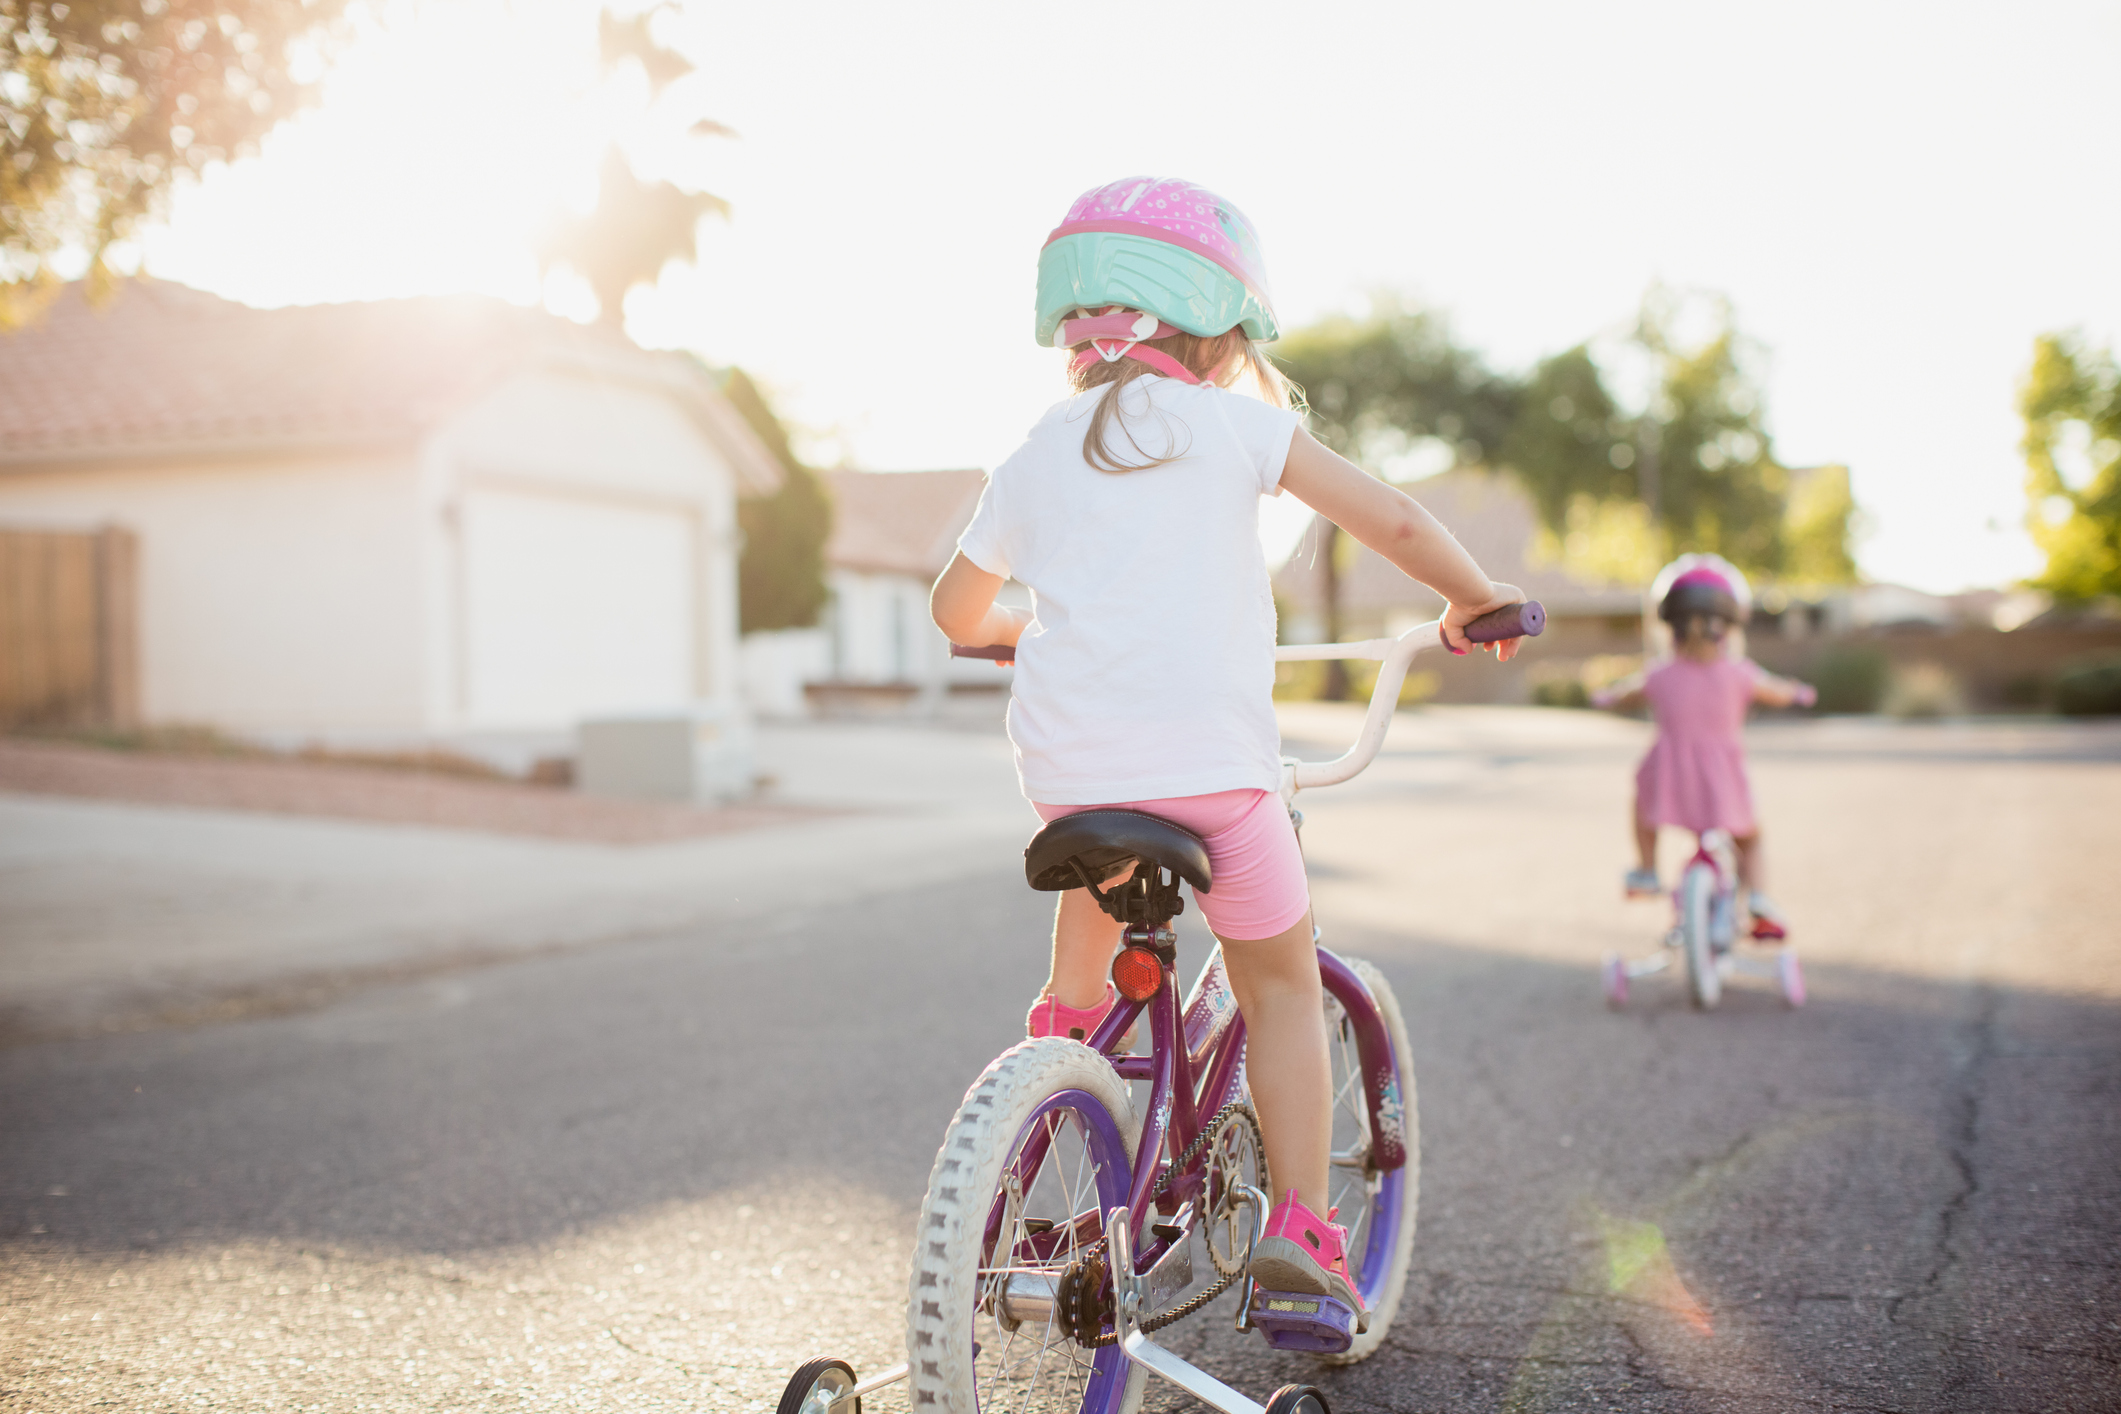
1302, 1320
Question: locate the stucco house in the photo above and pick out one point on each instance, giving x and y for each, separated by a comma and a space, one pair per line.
875, 648
435, 519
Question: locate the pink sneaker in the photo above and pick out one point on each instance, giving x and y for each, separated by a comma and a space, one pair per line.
1301, 1253
1052, 1017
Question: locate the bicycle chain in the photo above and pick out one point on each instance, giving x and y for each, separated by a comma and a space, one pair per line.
1236, 1109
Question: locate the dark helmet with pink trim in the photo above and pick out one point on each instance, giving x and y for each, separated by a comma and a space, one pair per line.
1161, 246
1707, 585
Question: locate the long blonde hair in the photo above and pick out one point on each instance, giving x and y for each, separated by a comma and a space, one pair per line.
1221, 359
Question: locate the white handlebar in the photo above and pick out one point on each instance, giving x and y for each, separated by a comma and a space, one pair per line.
1394, 654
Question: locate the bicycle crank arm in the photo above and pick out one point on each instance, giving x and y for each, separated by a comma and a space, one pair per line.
874, 1383
1135, 1342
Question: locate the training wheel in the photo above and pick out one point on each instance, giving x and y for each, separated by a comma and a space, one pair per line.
1790, 977
1297, 1399
1613, 973
814, 1387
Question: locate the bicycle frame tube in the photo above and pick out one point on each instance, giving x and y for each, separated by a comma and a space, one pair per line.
1373, 1048
1189, 1084
1172, 1117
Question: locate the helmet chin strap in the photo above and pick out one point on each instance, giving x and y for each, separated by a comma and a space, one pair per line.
1118, 334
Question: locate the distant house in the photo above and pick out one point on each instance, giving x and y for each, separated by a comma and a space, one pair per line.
1496, 521
875, 647
420, 518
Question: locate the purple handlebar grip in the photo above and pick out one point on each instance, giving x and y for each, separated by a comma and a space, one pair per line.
999, 652
1526, 620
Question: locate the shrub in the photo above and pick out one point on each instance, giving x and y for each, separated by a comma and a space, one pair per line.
2024, 690
1850, 679
1924, 691
1560, 692
2089, 687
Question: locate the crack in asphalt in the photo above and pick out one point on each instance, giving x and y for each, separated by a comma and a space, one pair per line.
1963, 1111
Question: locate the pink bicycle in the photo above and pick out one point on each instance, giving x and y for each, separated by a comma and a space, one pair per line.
1705, 934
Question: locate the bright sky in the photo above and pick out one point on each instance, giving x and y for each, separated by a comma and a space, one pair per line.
1896, 197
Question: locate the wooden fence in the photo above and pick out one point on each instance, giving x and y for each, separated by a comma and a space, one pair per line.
69, 649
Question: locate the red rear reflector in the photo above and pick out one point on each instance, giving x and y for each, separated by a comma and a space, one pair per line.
1137, 973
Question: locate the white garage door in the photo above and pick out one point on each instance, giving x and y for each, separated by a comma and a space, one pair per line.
574, 608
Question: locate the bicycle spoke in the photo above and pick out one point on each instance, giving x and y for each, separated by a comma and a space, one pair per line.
1038, 1367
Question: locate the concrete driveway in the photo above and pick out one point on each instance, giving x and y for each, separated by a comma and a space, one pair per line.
656, 1126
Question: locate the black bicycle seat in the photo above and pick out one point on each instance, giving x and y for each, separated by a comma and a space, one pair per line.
1101, 839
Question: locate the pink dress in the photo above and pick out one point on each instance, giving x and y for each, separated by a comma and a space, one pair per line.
1694, 776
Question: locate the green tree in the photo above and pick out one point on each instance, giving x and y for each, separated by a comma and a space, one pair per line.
2071, 403
781, 573
104, 103
1816, 524
1695, 470
1382, 388
1706, 468
1568, 440
636, 227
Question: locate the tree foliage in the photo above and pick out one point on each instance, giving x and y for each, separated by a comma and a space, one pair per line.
103, 103
2071, 403
1568, 440
1717, 486
1384, 388
1620, 492
1697, 459
1816, 525
1376, 385
636, 227
781, 573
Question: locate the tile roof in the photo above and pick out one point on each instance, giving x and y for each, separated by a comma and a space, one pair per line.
162, 369
899, 522
1494, 519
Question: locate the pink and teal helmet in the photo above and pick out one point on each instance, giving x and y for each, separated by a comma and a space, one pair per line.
1162, 246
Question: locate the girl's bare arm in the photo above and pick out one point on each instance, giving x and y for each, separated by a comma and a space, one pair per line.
962, 605
1773, 691
1623, 696
1394, 525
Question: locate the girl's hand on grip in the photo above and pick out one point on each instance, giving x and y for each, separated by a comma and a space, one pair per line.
1457, 616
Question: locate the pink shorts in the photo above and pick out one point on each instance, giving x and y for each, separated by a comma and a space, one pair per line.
1252, 851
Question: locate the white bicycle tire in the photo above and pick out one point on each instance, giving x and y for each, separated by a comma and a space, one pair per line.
1402, 1252
1704, 982
943, 1292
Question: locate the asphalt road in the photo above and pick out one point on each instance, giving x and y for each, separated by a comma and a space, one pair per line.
654, 1174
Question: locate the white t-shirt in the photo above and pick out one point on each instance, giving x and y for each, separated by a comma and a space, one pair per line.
1148, 671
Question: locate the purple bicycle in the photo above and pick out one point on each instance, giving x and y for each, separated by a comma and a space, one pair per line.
1063, 1226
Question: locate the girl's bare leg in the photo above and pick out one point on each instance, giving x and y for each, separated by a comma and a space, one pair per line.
1748, 847
1283, 1002
1084, 939
1645, 839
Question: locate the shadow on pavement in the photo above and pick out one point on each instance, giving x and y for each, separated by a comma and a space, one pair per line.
1902, 1196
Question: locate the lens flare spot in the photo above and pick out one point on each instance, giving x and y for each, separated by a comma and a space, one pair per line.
1639, 1266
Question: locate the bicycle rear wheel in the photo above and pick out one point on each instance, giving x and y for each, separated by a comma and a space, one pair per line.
1377, 1209
1696, 889
1040, 1150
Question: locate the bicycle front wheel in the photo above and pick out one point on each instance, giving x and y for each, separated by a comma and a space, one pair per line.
1376, 1208
1040, 1150
1696, 888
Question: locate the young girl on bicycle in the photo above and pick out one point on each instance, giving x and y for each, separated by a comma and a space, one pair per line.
1694, 776
1145, 669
